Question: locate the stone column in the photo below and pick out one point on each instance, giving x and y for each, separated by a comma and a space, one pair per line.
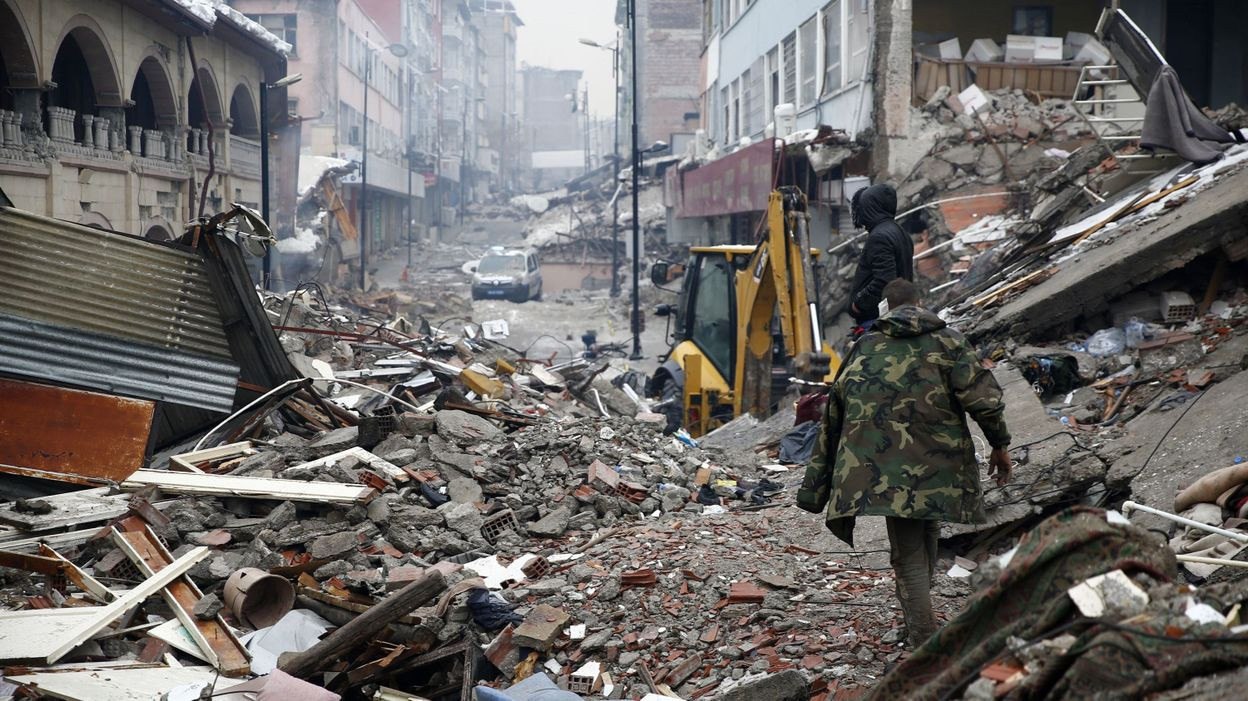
136, 140
891, 93
101, 133
88, 131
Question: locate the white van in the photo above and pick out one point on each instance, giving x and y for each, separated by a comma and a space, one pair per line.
511, 274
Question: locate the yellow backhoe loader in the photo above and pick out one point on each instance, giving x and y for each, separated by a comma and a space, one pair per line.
725, 359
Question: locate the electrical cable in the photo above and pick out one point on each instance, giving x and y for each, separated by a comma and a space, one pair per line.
1166, 435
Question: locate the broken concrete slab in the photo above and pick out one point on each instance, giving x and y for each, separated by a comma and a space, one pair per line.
464, 490
552, 525
541, 627
1142, 252
334, 441
789, 685
465, 428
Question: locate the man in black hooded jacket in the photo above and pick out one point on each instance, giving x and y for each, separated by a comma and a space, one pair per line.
887, 254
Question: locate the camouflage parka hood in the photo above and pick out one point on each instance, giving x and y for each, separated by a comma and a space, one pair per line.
909, 321
894, 439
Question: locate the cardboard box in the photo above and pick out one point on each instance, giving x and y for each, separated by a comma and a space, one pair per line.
984, 51
1094, 53
1048, 49
1028, 49
950, 49
1074, 42
973, 99
1020, 49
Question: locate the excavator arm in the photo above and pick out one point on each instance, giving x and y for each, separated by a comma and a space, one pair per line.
778, 280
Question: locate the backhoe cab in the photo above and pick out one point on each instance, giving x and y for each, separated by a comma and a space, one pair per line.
745, 322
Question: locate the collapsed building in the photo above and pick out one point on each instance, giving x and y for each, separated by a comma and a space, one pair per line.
343, 495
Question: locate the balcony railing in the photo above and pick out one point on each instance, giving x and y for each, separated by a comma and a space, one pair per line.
99, 138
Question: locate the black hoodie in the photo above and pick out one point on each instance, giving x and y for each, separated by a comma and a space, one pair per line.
887, 254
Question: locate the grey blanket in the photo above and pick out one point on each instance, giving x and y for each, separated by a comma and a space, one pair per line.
1172, 122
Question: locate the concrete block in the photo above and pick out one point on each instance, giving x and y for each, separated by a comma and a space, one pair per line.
541, 628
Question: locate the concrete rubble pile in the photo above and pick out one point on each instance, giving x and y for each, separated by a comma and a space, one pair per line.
413, 471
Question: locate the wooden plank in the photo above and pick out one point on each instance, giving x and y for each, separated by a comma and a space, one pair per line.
250, 487
220, 648
189, 462
390, 469
81, 579
363, 627
51, 634
77, 435
69, 509
118, 684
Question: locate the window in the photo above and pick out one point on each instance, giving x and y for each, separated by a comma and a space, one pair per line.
724, 101
283, 26
789, 50
734, 133
810, 55
857, 17
832, 47
292, 106
773, 83
756, 105
712, 316
745, 114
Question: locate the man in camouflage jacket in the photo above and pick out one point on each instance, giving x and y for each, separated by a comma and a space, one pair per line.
895, 442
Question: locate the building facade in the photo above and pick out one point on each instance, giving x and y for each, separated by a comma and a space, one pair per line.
554, 135
128, 115
669, 44
497, 23
811, 54
353, 92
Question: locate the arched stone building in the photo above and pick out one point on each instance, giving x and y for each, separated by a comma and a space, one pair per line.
106, 119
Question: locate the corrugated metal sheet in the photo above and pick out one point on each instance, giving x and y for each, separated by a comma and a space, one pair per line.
77, 277
49, 352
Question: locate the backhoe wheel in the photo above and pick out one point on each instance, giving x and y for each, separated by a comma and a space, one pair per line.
676, 409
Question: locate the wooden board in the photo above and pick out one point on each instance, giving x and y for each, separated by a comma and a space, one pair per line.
70, 434
1045, 81
219, 646
141, 684
69, 509
250, 487
46, 634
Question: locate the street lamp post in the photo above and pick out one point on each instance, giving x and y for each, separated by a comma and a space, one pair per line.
368, 64
636, 315
615, 159
266, 279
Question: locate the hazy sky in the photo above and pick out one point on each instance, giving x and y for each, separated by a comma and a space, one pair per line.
550, 37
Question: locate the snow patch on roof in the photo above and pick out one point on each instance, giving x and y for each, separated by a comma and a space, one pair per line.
313, 168
208, 11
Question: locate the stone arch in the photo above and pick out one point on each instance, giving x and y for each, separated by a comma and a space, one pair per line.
200, 111
151, 90
158, 229
84, 37
244, 118
95, 220
19, 66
